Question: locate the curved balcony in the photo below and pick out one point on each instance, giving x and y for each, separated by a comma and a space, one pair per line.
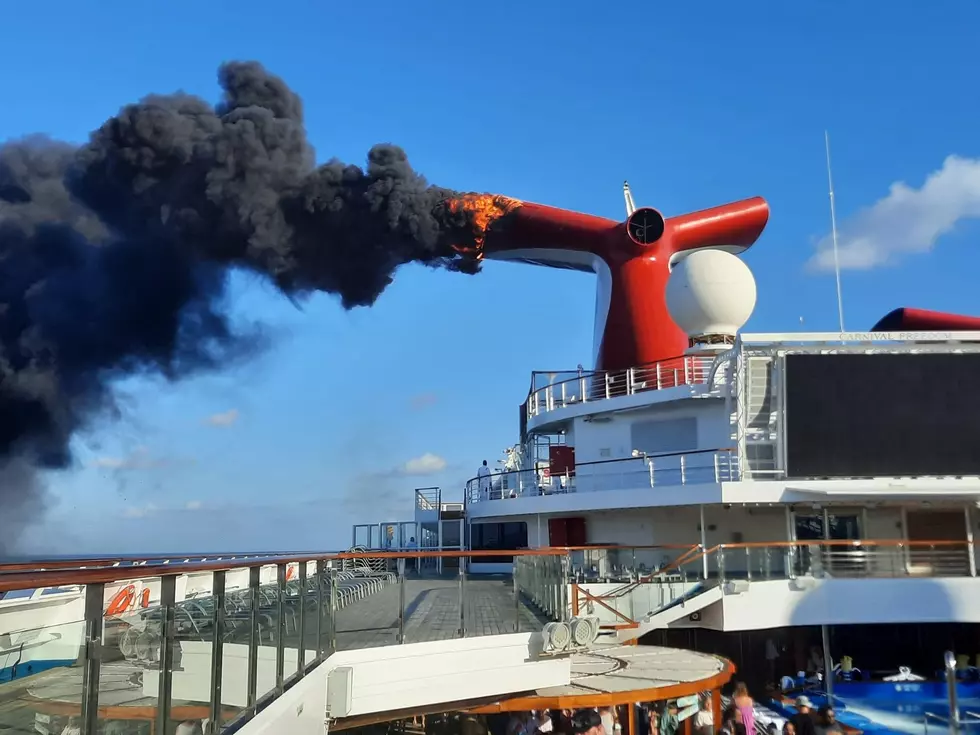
707, 466
551, 391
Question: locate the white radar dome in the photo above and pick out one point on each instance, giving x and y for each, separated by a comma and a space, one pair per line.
710, 292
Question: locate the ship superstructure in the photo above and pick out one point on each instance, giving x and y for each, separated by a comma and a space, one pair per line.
761, 482
721, 494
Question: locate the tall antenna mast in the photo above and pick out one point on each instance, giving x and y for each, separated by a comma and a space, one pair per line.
833, 231
628, 196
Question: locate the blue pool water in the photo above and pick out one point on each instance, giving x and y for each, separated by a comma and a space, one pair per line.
886, 708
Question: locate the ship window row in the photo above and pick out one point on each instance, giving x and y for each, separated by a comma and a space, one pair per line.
498, 537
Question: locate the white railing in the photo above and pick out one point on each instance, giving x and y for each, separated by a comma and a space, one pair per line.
570, 388
427, 498
651, 471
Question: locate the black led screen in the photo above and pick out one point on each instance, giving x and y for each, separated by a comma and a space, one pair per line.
895, 415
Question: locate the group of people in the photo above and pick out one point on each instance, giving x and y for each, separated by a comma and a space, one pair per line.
808, 721
651, 718
739, 717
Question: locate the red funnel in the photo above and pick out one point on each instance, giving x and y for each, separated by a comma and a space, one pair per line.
632, 260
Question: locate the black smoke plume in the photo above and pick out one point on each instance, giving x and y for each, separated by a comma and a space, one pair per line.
114, 256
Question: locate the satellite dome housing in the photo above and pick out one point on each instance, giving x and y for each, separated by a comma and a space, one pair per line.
710, 295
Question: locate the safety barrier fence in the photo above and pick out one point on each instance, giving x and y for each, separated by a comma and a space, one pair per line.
217, 640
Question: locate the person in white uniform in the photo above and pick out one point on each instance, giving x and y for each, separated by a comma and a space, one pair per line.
484, 477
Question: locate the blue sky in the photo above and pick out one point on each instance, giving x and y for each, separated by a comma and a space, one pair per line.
695, 104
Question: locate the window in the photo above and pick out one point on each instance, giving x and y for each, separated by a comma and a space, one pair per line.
661, 437
497, 536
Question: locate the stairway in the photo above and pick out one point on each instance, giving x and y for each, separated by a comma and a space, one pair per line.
757, 423
693, 601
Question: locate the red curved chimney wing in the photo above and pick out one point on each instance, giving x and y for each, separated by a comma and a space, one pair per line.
633, 326
921, 320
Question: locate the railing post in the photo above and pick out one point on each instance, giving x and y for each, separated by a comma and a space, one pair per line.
687, 371
563, 581
748, 563
253, 639
683, 472
301, 647
333, 610
462, 599
563, 397
650, 466
606, 376
517, 597
969, 543
217, 647
401, 600
550, 398
714, 459
630, 382
659, 383
92, 650
721, 563
280, 627
168, 606
949, 659
582, 391
321, 570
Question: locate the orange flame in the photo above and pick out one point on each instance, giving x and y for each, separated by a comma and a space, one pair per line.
485, 210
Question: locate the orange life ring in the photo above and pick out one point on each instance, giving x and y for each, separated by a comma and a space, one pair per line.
122, 601
290, 571
145, 599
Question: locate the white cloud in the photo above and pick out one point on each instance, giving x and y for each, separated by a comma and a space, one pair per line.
223, 420
906, 222
139, 459
427, 464
143, 511
140, 512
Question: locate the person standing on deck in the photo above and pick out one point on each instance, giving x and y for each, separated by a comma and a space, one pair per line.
608, 717
484, 478
704, 720
412, 563
827, 722
746, 707
803, 719
586, 722
669, 723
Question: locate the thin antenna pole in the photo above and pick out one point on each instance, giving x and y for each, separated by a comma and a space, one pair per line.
833, 230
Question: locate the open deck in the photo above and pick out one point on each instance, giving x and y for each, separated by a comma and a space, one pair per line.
224, 652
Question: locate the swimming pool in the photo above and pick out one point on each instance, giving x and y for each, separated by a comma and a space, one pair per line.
887, 708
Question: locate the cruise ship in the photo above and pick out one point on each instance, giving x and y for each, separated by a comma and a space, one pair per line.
799, 507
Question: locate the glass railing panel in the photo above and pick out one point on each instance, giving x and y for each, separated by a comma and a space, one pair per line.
365, 599
270, 620
328, 600
840, 559
134, 637
491, 602
543, 584
430, 599
303, 592
622, 564
195, 627
41, 668
237, 654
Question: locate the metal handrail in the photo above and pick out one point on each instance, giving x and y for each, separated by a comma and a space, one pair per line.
723, 466
140, 561
597, 385
64, 577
